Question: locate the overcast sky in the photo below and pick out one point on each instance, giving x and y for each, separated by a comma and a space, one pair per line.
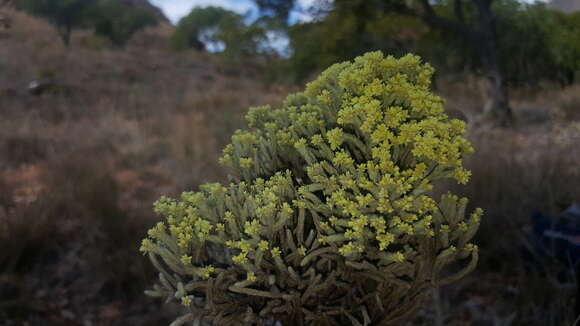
175, 9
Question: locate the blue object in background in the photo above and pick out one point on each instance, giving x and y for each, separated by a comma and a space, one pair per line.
558, 237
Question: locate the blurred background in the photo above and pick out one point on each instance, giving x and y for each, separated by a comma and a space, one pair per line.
105, 105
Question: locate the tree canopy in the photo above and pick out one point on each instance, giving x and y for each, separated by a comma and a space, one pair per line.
117, 22
215, 28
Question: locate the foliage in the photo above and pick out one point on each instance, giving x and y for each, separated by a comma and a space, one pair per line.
549, 35
342, 35
215, 26
524, 28
279, 8
117, 22
240, 40
350, 28
190, 28
276, 12
329, 218
563, 42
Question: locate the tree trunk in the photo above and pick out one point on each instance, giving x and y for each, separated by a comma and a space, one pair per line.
64, 32
497, 104
483, 37
497, 107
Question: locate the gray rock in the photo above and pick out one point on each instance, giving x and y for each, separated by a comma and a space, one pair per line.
38, 87
5, 22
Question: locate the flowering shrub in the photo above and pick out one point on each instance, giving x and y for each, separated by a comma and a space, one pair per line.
329, 219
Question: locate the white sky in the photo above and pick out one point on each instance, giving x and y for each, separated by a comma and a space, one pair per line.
175, 9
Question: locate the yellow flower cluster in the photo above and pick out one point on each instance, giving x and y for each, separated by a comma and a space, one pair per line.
207, 271
352, 159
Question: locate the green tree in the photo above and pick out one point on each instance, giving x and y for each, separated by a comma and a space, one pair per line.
349, 30
239, 39
65, 15
118, 22
276, 8
475, 23
563, 43
194, 30
535, 43
204, 27
529, 29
